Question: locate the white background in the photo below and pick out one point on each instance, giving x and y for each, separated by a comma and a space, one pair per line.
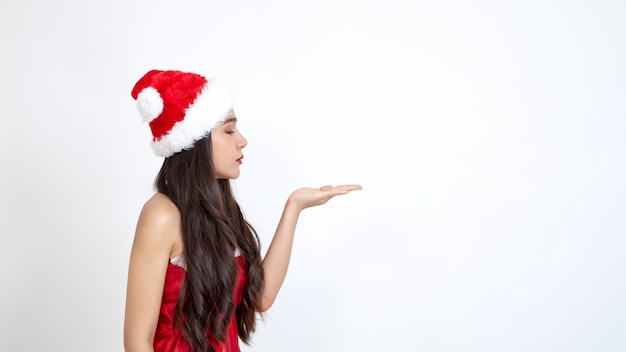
488, 137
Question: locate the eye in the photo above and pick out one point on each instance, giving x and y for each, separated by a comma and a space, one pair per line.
230, 132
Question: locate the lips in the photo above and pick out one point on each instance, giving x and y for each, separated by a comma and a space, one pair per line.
239, 160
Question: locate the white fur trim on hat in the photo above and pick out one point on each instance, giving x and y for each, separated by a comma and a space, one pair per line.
209, 109
149, 104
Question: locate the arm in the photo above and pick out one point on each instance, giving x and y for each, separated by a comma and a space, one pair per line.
146, 275
278, 254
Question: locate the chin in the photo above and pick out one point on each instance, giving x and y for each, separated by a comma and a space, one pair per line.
228, 177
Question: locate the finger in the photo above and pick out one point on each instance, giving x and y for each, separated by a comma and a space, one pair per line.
326, 188
337, 192
349, 188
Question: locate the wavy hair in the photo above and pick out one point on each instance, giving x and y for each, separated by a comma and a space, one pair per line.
213, 226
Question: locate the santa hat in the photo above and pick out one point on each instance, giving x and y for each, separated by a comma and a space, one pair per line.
180, 107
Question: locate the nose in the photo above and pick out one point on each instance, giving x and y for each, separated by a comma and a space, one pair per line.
243, 142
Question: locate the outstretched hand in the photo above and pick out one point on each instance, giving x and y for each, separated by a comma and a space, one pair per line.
309, 197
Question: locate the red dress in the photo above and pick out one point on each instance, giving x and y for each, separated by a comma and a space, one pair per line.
168, 338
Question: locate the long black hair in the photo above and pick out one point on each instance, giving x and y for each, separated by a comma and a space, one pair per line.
213, 227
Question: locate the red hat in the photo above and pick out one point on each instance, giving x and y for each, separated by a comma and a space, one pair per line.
181, 108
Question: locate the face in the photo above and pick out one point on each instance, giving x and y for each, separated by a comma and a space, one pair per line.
227, 144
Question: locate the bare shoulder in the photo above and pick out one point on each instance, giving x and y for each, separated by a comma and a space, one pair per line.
161, 208
159, 221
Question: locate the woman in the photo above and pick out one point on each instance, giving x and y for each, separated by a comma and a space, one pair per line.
196, 277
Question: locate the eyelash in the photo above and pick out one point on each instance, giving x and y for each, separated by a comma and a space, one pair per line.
230, 132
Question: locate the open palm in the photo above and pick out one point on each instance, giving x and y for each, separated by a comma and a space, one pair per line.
309, 197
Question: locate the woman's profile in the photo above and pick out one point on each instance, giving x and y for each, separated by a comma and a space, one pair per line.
196, 278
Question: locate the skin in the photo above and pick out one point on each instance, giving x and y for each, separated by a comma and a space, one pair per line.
158, 237
226, 145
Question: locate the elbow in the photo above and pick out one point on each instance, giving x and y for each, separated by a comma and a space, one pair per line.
130, 345
266, 304
134, 344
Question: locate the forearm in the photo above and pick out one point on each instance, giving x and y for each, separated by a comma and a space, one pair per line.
279, 252
277, 258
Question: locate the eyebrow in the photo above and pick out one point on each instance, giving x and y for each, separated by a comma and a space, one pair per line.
229, 120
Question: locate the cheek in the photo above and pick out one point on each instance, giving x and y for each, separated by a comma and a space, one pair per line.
216, 150
218, 144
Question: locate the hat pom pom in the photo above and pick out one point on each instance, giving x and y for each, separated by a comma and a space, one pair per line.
149, 104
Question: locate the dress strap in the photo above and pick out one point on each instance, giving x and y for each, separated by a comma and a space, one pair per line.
180, 259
